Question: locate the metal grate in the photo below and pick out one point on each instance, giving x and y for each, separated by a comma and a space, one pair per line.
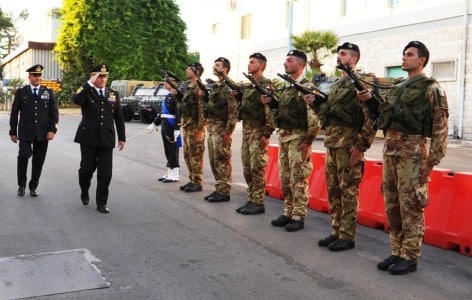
48, 274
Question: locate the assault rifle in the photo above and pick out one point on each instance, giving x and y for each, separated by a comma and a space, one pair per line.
170, 78
321, 97
202, 86
266, 91
374, 102
228, 81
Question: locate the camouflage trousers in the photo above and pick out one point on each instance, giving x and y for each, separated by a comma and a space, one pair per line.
219, 154
254, 160
405, 200
194, 147
343, 181
294, 172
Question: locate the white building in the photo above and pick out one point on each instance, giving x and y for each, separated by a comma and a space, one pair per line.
237, 28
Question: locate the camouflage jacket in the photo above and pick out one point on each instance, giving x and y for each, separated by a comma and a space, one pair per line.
407, 145
347, 121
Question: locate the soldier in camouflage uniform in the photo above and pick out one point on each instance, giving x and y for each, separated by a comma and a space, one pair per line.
221, 121
192, 120
349, 133
298, 127
258, 125
414, 111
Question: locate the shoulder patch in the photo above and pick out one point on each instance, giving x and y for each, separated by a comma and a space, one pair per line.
80, 89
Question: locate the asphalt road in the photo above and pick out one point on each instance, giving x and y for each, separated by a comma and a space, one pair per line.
161, 243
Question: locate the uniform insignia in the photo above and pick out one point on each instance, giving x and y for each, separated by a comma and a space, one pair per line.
80, 89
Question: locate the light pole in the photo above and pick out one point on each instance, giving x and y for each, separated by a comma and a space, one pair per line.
290, 25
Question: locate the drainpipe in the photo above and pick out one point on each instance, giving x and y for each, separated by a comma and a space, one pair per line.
290, 25
462, 72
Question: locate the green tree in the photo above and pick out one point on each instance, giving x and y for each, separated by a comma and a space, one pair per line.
318, 44
6, 34
136, 38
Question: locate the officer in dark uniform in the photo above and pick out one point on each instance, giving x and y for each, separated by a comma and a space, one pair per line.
37, 126
96, 134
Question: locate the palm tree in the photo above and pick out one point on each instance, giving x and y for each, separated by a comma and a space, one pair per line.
319, 44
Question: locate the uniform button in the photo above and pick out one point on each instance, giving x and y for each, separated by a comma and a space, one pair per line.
102, 109
103, 102
35, 101
101, 124
35, 114
35, 107
36, 121
101, 116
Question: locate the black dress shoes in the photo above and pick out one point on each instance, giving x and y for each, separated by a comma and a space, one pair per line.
21, 191
103, 209
84, 196
33, 193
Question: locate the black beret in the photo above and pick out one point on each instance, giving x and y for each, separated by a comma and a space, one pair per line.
418, 45
102, 69
196, 66
349, 46
36, 69
258, 56
223, 60
297, 53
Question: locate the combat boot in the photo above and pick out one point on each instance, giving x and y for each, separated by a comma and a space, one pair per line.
403, 266
193, 187
295, 225
210, 195
341, 245
327, 240
253, 209
218, 197
281, 221
239, 209
388, 262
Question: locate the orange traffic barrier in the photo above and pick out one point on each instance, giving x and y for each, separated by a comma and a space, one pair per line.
272, 186
440, 227
371, 201
318, 198
463, 199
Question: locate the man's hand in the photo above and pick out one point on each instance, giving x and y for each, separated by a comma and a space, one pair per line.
306, 150
364, 95
51, 135
93, 78
425, 171
121, 145
264, 142
356, 156
176, 135
14, 138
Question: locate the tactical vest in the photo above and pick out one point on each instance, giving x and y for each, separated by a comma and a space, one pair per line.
407, 109
188, 106
292, 110
342, 108
251, 107
217, 106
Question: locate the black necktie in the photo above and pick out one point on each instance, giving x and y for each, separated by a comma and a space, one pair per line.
35, 92
101, 92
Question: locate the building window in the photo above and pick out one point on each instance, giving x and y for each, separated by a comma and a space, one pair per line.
444, 70
352, 7
245, 26
396, 72
214, 28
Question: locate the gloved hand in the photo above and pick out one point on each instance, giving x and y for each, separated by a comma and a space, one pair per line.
176, 134
151, 128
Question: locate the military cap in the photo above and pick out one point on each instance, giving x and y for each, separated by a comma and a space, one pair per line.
197, 67
36, 69
258, 56
297, 53
102, 69
349, 46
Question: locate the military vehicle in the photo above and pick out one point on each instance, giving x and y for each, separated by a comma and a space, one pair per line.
144, 103
126, 87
